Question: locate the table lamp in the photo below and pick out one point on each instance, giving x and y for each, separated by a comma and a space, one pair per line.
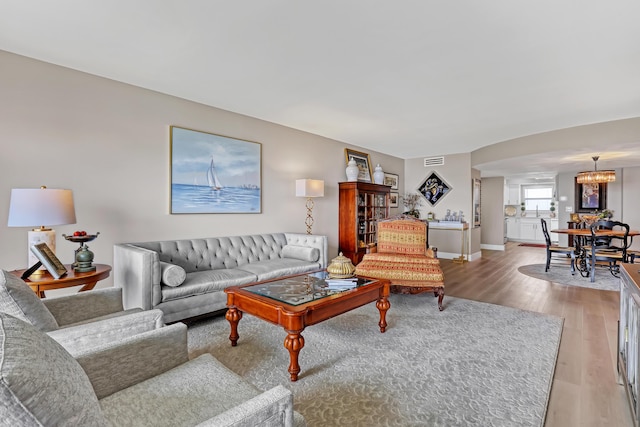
309, 188
41, 207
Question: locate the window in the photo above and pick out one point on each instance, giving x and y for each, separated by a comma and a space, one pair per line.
537, 197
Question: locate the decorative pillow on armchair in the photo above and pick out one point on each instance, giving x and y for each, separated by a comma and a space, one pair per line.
18, 300
41, 383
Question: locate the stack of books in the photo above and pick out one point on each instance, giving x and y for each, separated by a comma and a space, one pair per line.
341, 284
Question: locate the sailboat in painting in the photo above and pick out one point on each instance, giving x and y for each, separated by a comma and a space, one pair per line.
212, 177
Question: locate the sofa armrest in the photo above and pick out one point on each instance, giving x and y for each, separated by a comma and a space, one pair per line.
274, 407
77, 338
311, 241
120, 364
137, 271
83, 306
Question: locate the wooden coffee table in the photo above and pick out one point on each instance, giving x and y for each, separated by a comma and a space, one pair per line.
296, 302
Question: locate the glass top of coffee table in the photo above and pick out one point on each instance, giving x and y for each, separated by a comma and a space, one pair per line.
297, 290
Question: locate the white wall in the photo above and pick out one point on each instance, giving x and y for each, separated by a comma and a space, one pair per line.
492, 202
109, 143
456, 172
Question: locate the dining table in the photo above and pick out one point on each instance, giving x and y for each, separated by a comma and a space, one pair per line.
586, 232
580, 234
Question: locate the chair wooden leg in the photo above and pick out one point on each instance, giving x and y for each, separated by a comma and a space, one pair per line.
440, 297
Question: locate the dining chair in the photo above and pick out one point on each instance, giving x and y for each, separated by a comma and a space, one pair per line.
609, 252
565, 251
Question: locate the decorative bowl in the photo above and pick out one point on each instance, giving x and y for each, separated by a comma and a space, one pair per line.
341, 267
81, 239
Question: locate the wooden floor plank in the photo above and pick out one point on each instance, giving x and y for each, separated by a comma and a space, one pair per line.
585, 391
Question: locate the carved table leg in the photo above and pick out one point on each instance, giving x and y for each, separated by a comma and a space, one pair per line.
294, 343
383, 305
233, 316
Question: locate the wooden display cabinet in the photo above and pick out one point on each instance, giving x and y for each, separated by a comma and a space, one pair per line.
361, 206
629, 337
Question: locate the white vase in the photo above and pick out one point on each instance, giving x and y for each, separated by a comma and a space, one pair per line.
378, 175
352, 171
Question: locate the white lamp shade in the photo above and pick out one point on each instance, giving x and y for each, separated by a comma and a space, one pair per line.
33, 207
309, 188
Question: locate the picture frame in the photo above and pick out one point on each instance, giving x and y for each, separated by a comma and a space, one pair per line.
477, 208
363, 161
590, 197
575, 217
213, 173
434, 188
391, 179
50, 261
394, 197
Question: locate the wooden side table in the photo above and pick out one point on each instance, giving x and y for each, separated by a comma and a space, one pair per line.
42, 281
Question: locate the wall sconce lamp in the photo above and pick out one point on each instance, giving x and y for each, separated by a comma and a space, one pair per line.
41, 207
309, 188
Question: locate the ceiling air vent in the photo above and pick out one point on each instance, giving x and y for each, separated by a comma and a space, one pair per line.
433, 161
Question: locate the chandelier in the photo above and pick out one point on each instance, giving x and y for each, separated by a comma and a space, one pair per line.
596, 176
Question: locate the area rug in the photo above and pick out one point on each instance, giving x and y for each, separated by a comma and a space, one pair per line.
471, 364
562, 274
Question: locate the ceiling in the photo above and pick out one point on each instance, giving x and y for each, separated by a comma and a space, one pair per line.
408, 78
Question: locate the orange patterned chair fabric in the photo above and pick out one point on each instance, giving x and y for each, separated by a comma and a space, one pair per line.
403, 258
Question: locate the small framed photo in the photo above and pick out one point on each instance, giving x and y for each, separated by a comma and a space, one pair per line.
575, 217
476, 184
392, 180
393, 199
363, 161
51, 262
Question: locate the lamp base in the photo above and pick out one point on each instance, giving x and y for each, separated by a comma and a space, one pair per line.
309, 220
40, 236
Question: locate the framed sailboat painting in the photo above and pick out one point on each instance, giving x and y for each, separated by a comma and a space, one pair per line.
214, 174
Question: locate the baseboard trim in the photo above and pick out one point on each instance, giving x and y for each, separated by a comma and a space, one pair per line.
451, 255
492, 247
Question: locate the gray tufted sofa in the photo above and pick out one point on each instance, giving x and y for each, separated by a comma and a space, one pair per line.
187, 278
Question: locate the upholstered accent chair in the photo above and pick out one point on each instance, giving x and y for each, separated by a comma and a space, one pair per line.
403, 258
76, 321
144, 380
563, 251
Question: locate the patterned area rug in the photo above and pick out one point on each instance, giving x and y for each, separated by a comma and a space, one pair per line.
471, 364
562, 274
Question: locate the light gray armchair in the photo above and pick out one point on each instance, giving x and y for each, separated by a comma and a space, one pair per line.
76, 321
144, 380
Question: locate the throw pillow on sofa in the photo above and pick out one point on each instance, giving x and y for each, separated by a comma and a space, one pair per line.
302, 253
171, 274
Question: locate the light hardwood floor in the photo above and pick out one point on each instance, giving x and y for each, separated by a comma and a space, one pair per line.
585, 390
